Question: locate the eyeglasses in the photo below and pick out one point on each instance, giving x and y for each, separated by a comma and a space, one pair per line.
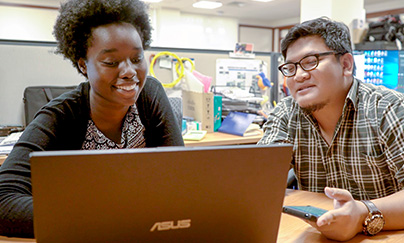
307, 63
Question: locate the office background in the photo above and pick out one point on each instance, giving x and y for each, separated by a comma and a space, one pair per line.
27, 43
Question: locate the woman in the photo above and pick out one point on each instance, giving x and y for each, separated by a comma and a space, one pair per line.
118, 106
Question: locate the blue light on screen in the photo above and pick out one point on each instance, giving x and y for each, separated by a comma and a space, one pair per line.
379, 67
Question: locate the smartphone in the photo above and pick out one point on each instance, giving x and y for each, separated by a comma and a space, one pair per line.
305, 212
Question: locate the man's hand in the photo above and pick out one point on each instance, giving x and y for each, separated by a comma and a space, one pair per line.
345, 220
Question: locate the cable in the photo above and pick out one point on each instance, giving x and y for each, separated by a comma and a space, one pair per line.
186, 59
180, 74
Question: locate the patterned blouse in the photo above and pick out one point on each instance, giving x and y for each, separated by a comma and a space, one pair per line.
132, 134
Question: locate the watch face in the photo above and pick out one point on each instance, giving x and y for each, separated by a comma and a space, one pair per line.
376, 224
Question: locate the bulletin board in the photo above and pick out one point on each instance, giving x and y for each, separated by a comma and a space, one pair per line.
238, 72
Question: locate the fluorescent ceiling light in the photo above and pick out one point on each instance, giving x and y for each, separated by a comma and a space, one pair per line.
207, 4
152, 1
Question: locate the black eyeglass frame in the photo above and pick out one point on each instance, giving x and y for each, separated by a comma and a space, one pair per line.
317, 55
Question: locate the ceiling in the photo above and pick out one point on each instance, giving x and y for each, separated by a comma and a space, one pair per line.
270, 12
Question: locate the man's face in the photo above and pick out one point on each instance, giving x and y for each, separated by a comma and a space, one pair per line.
315, 89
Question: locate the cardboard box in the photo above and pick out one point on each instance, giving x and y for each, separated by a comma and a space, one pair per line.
200, 107
358, 35
358, 30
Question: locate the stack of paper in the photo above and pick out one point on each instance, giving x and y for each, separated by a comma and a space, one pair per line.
7, 143
194, 135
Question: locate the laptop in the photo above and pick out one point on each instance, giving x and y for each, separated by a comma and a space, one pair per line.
166, 194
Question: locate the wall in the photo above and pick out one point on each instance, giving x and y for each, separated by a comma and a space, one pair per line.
261, 37
17, 23
170, 28
180, 30
27, 64
339, 10
385, 5
32, 64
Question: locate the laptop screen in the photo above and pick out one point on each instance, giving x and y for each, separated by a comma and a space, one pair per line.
204, 194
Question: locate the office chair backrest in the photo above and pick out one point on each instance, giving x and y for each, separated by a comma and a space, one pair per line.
37, 96
176, 105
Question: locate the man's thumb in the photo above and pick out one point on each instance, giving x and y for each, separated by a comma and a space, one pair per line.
338, 194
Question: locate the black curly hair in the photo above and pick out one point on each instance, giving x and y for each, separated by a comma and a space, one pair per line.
335, 34
77, 19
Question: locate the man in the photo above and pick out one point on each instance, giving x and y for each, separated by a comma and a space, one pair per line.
348, 136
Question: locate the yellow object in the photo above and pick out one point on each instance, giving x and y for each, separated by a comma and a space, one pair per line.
186, 59
261, 83
194, 135
265, 100
180, 74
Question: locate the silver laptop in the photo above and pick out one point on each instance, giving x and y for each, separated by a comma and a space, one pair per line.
168, 194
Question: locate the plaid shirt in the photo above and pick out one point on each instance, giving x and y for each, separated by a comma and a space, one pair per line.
366, 155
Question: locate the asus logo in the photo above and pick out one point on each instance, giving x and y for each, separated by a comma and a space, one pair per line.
170, 225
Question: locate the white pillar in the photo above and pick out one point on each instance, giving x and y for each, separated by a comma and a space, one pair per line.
311, 9
350, 12
340, 10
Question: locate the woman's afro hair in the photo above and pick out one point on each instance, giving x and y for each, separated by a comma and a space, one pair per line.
77, 19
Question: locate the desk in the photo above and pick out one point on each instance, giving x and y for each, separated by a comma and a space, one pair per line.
211, 139
219, 138
2, 158
292, 229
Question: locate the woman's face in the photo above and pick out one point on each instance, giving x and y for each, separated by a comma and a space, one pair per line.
115, 65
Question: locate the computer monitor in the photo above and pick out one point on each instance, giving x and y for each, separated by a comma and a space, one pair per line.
381, 67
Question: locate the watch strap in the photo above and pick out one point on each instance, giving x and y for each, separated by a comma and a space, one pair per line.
374, 212
371, 207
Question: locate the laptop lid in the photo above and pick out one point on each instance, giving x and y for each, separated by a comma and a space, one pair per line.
168, 194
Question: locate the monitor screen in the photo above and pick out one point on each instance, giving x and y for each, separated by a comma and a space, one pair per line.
381, 67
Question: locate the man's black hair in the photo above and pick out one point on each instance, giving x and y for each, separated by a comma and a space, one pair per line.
335, 34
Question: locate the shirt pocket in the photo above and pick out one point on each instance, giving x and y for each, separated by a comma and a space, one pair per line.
376, 163
376, 175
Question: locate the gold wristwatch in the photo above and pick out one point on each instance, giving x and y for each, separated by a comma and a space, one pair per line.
374, 222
